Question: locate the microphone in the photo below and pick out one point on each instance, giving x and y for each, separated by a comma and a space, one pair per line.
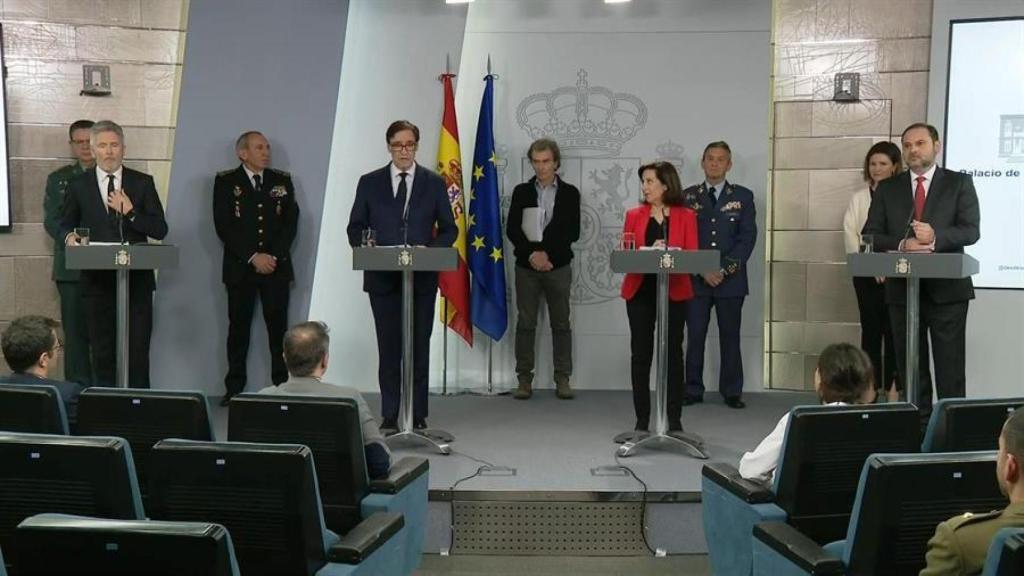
906, 230
405, 223
664, 227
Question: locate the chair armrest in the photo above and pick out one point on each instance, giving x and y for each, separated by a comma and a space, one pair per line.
365, 538
403, 472
798, 549
728, 477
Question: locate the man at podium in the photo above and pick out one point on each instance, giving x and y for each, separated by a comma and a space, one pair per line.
115, 204
928, 209
401, 204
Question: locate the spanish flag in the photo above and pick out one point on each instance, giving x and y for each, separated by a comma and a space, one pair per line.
454, 284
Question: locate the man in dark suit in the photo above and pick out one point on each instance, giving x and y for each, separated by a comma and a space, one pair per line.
30, 347
544, 263
256, 216
727, 222
117, 204
931, 209
402, 203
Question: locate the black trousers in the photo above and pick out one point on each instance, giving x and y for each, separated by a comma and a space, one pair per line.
387, 318
100, 308
729, 315
642, 311
273, 295
876, 331
946, 327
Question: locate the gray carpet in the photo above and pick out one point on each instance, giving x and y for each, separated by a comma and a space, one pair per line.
689, 565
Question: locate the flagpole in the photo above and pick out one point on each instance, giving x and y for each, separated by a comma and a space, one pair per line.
490, 341
444, 341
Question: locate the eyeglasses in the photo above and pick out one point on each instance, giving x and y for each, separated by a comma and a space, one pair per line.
409, 146
58, 346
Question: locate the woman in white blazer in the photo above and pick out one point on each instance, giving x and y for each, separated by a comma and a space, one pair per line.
883, 161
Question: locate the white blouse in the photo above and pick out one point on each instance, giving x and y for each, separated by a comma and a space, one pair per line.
760, 464
854, 219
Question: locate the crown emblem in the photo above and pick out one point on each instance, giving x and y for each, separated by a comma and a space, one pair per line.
670, 152
590, 120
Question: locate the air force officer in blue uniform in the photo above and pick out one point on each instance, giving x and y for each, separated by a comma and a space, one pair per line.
726, 221
403, 203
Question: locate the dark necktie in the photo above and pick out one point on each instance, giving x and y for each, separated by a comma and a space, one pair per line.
919, 198
259, 182
403, 192
111, 213
711, 194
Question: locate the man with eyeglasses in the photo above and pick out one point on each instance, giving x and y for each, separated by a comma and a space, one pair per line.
402, 203
30, 346
77, 366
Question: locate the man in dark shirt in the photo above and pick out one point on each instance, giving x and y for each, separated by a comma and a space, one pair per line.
30, 347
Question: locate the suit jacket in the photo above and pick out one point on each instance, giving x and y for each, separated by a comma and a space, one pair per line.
559, 234
375, 207
951, 207
682, 232
69, 391
53, 209
83, 207
960, 544
730, 226
248, 222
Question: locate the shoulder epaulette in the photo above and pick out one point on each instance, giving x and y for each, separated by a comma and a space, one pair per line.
284, 173
226, 172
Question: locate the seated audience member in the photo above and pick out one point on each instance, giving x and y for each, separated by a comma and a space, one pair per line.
306, 356
844, 375
30, 347
961, 543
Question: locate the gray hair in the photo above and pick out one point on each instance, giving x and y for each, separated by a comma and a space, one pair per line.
105, 126
243, 140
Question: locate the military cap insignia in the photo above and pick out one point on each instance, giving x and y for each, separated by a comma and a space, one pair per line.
278, 191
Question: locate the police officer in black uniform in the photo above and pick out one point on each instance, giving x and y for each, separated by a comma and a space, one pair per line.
256, 217
726, 221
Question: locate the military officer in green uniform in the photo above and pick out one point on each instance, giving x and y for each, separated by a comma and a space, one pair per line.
961, 543
77, 367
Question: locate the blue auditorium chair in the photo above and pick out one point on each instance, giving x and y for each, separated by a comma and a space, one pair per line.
815, 483
963, 424
31, 408
64, 474
1006, 554
266, 495
331, 428
65, 544
901, 498
143, 418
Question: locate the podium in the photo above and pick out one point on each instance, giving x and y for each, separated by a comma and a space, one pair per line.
663, 263
407, 260
912, 266
123, 258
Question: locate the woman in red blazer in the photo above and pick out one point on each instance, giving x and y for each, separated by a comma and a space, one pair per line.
660, 220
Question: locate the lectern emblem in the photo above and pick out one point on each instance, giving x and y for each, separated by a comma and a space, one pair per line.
903, 266
122, 258
405, 258
667, 261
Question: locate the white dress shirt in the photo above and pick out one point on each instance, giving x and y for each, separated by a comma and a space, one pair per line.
927, 183
252, 175
101, 179
760, 464
396, 179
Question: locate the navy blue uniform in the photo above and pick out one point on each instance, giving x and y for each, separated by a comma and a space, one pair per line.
728, 225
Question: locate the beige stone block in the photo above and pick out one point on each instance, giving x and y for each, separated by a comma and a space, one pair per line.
26, 240
37, 10
3, 364
807, 246
811, 337
35, 291
909, 99
888, 19
830, 295
832, 21
810, 364
7, 295
51, 141
789, 88
789, 291
830, 194
793, 119
28, 187
149, 143
827, 58
786, 336
904, 55
863, 118
101, 43
161, 93
794, 20
39, 40
787, 371
105, 12
873, 86
789, 199
167, 14
821, 153
161, 173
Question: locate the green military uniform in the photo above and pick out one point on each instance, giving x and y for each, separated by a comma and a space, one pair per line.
961, 543
77, 367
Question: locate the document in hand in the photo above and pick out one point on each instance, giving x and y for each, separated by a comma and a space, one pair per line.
533, 224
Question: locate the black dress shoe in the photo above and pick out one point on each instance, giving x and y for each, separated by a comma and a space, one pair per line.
691, 400
641, 426
735, 402
675, 426
226, 399
419, 425
389, 424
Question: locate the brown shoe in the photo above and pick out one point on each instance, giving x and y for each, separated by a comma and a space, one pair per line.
563, 391
524, 391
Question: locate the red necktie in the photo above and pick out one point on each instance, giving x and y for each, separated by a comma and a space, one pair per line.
919, 199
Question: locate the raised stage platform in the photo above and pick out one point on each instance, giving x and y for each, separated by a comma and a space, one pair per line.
551, 484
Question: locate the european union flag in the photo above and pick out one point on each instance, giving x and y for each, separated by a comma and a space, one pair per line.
486, 259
